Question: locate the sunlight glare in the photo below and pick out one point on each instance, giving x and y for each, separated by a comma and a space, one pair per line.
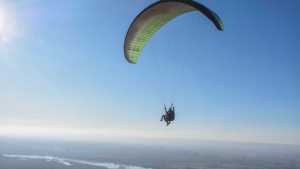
7, 25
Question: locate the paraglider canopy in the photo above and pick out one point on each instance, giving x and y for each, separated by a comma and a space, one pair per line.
151, 19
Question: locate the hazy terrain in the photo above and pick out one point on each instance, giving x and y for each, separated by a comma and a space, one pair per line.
28, 154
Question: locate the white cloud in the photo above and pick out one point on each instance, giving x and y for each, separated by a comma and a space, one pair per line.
68, 162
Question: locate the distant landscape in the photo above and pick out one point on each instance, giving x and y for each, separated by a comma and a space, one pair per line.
43, 154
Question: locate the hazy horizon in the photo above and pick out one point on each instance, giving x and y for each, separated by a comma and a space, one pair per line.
44, 154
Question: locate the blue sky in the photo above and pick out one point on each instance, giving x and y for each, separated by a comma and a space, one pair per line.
62, 70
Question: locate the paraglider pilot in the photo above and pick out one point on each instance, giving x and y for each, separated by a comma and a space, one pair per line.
169, 115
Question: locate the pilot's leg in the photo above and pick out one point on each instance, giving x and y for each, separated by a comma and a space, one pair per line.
162, 117
165, 118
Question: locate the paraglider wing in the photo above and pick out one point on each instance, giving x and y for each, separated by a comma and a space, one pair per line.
154, 17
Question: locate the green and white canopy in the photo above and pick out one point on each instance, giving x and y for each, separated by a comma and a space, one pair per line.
151, 19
